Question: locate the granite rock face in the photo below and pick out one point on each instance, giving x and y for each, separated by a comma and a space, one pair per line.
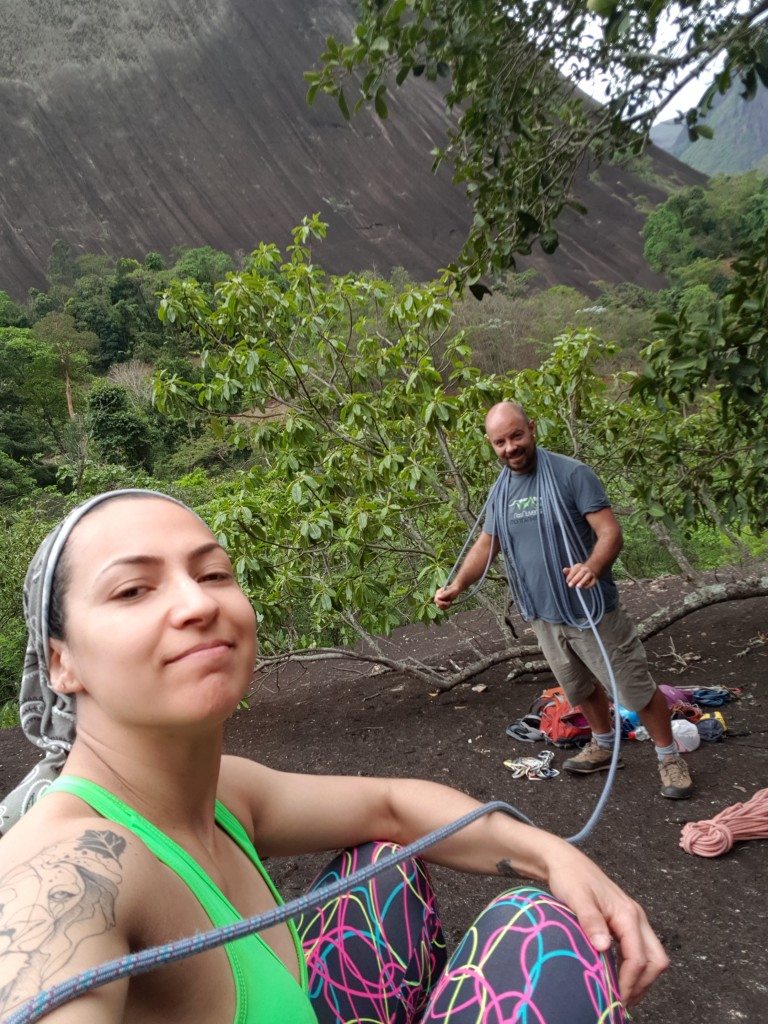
130, 127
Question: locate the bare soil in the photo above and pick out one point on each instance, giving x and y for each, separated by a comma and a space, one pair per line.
710, 913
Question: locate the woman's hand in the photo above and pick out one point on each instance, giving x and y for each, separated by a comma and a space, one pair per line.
295, 814
604, 910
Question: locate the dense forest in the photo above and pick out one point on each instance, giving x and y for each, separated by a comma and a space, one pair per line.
329, 427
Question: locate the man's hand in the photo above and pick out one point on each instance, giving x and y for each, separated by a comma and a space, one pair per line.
445, 596
580, 575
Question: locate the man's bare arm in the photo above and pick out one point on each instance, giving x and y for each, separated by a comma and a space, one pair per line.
479, 556
608, 544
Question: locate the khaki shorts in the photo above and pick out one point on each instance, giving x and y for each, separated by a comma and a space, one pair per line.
575, 659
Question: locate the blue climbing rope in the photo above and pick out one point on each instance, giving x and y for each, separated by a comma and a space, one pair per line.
158, 956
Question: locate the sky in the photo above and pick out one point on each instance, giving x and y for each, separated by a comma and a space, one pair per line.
685, 99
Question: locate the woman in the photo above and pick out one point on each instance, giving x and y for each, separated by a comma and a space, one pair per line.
140, 633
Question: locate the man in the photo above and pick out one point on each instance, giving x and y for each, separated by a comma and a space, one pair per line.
583, 555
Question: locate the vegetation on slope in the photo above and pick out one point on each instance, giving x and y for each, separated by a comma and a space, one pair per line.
330, 426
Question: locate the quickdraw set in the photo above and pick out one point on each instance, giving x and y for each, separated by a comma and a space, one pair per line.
535, 768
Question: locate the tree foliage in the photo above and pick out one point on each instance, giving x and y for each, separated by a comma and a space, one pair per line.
717, 359
518, 126
33, 410
362, 412
72, 347
712, 223
117, 428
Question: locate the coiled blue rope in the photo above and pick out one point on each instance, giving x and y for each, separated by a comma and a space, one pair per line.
158, 956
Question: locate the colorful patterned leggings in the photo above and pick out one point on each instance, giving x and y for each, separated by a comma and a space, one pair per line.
376, 956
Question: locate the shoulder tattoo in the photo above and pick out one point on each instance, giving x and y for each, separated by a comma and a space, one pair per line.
50, 905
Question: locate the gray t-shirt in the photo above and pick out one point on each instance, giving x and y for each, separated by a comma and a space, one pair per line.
582, 492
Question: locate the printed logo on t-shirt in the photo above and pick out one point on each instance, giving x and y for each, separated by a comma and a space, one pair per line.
524, 508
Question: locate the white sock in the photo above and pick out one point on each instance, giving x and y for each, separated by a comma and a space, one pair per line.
605, 739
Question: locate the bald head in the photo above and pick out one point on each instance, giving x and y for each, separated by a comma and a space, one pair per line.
503, 411
512, 436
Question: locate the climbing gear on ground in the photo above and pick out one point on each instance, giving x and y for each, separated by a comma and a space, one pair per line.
676, 782
520, 730
713, 696
593, 758
683, 709
673, 694
534, 768
560, 723
712, 726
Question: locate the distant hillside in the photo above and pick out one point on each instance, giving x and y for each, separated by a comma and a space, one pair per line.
740, 142
138, 125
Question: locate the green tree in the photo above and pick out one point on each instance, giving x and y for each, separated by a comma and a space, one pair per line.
205, 265
362, 410
518, 127
20, 533
154, 261
90, 304
73, 348
11, 313
709, 223
33, 409
94, 264
668, 243
134, 310
118, 430
339, 389
41, 304
61, 264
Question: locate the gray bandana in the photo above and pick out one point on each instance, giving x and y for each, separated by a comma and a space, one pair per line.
47, 717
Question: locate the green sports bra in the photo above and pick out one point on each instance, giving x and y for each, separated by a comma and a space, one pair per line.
267, 992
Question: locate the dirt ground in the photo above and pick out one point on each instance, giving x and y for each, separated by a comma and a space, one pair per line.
710, 913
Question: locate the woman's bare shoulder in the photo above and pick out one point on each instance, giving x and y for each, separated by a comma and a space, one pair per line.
70, 895
243, 786
61, 836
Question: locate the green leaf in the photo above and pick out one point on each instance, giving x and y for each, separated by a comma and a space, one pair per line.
380, 104
549, 240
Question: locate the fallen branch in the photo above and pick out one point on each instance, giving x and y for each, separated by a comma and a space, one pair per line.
523, 659
702, 597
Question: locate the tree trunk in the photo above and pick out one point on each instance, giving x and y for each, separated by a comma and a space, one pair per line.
68, 389
675, 552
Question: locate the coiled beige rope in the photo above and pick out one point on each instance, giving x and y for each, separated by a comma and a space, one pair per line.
717, 835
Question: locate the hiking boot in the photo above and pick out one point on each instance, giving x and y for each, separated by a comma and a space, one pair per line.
592, 758
676, 780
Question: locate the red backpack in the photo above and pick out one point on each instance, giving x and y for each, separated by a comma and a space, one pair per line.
562, 725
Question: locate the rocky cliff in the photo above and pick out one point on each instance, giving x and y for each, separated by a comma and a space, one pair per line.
135, 125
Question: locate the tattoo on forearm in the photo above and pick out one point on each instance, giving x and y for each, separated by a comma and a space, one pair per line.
505, 868
52, 904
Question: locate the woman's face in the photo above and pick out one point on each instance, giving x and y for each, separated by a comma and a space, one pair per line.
158, 632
